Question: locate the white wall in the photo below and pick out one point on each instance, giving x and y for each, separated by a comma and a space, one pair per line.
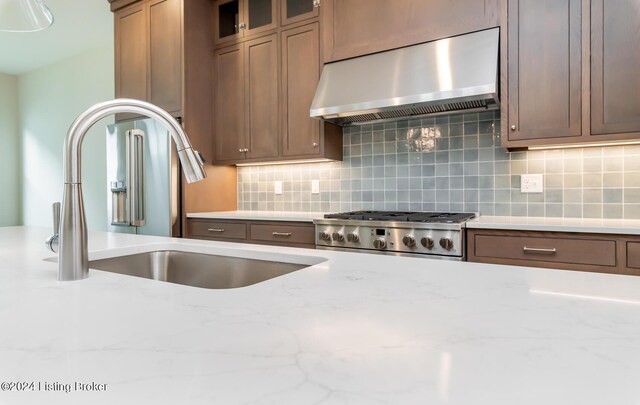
9, 152
50, 99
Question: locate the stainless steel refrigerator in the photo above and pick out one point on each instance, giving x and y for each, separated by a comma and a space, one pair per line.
143, 179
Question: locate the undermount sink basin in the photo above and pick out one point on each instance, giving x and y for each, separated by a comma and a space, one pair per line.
196, 269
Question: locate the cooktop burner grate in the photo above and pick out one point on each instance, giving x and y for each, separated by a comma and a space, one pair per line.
399, 216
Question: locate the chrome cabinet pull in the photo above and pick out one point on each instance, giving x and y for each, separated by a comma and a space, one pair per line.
316, 3
285, 234
215, 229
539, 250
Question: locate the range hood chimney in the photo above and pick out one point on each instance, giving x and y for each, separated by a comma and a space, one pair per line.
444, 76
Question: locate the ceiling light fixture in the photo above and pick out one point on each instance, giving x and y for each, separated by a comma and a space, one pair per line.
24, 15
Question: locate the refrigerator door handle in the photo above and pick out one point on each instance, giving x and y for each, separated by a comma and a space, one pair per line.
135, 176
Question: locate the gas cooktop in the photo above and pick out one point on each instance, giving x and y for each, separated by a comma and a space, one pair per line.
398, 216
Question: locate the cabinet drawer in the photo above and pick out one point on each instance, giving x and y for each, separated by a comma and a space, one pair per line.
633, 255
218, 230
289, 234
599, 252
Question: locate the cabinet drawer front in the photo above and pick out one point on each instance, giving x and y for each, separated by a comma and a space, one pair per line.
633, 255
224, 230
293, 234
559, 250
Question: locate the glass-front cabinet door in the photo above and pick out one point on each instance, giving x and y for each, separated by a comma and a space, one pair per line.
227, 16
298, 10
235, 19
260, 15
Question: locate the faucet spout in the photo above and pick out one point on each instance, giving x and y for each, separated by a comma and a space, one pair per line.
73, 259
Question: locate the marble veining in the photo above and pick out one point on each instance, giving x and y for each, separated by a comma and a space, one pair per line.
356, 329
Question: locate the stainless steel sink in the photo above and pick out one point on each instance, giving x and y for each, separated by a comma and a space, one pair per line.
196, 269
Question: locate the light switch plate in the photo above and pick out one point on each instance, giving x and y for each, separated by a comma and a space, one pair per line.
531, 183
278, 187
315, 186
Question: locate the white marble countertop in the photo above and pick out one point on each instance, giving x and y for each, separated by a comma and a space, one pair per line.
356, 329
586, 225
292, 216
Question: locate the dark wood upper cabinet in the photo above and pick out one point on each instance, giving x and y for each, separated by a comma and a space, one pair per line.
570, 75
165, 54
263, 87
615, 60
294, 11
229, 103
246, 110
301, 72
545, 69
236, 19
131, 56
148, 54
261, 100
358, 27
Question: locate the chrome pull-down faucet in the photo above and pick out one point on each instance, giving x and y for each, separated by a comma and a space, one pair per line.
73, 255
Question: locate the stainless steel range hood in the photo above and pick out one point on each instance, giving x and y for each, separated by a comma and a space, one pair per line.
444, 76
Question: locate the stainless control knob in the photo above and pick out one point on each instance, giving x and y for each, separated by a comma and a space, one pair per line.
409, 241
353, 237
324, 235
379, 243
427, 242
338, 237
446, 243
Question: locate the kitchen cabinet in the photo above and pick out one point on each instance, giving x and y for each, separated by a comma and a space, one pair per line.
236, 19
545, 69
246, 100
569, 75
228, 103
279, 233
358, 27
615, 57
262, 89
131, 55
300, 72
603, 253
163, 55
148, 54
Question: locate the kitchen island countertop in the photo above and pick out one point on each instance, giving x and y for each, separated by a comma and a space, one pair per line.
356, 328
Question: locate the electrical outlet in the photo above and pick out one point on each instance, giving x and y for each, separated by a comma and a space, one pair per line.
531, 183
278, 187
315, 186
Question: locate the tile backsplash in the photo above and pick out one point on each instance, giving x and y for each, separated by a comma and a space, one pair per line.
450, 163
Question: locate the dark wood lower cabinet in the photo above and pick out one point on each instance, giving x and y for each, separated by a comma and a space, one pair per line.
602, 253
279, 233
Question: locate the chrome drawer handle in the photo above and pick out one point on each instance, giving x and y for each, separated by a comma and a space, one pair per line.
286, 234
215, 230
539, 250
